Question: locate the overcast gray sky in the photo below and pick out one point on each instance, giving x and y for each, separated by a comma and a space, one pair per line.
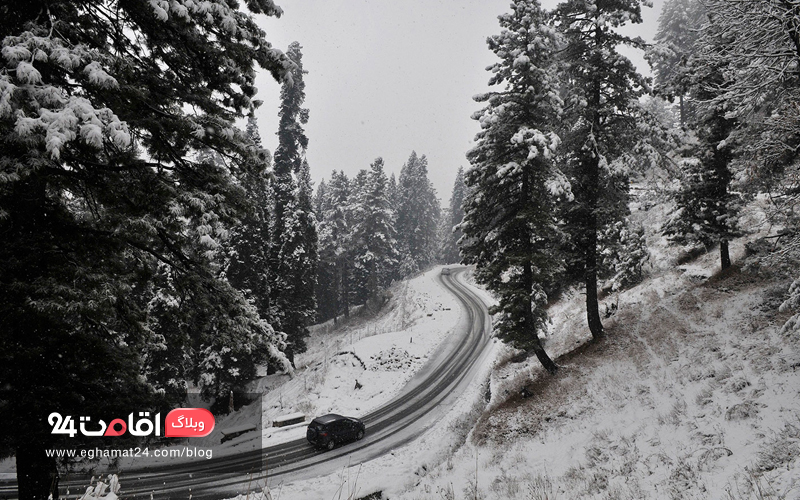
387, 77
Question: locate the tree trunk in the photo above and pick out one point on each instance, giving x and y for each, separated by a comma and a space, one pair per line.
543, 358
593, 192
345, 291
590, 280
683, 113
724, 254
290, 353
592, 308
530, 324
37, 474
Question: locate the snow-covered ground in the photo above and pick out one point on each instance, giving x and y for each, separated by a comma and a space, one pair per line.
378, 353
693, 394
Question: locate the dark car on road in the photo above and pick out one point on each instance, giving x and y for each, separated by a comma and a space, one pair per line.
329, 430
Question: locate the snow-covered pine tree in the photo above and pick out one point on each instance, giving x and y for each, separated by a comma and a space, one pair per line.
455, 215
374, 240
248, 262
600, 130
678, 29
418, 214
107, 214
297, 266
293, 254
762, 48
706, 208
509, 212
326, 267
391, 192
321, 200
359, 274
334, 247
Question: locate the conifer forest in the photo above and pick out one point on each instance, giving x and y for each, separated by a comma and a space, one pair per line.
611, 215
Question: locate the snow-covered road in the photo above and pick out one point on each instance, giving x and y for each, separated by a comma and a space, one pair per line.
427, 397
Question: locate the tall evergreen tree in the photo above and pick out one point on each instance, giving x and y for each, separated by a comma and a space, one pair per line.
391, 192
705, 207
297, 267
326, 266
358, 276
509, 212
678, 29
248, 264
334, 248
601, 112
374, 235
418, 214
761, 50
291, 251
111, 225
452, 231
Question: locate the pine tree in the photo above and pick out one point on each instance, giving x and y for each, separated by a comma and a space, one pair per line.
705, 207
452, 233
418, 214
758, 47
341, 196
678, 29
334, 248
358, 292
297, 266
392, 194
509, 211
293, 253
248, 264
601, 116
326, 289
112, 227
374, 235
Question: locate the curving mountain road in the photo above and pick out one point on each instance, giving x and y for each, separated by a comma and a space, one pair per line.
422, 402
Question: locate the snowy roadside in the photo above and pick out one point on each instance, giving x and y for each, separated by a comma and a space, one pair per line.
355, 370
404, 468
349, 370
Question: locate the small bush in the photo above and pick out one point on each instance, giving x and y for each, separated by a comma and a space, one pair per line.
782, 450
742, 411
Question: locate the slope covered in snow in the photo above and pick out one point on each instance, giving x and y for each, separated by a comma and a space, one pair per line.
694, 393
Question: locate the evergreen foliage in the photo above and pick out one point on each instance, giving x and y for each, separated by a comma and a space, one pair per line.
705, 207
761, 43
293, 244
418, 213
111, 286
675, 42
334, 247
601, 114
509, 212
452, 219
248, 261
374, 240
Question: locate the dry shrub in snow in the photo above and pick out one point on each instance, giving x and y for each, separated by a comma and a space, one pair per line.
742, 411
782, 450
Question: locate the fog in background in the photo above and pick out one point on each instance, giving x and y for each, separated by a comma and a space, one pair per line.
385, 78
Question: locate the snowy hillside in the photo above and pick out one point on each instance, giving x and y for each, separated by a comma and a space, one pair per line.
693, 394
